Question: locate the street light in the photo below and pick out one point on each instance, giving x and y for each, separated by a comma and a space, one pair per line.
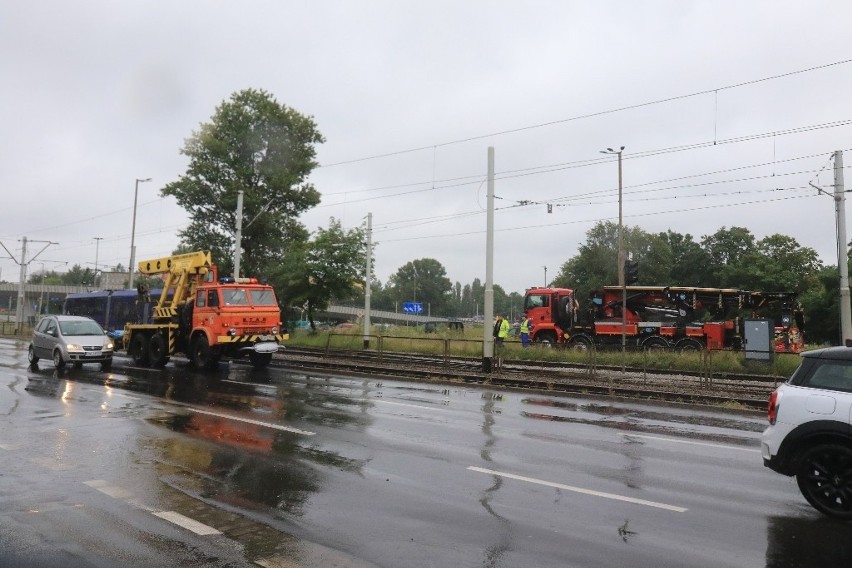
621, 281
97, 249
133, 231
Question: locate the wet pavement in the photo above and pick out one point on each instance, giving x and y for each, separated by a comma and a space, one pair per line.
279, 468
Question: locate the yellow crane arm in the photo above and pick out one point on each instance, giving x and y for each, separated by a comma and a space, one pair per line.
179, 270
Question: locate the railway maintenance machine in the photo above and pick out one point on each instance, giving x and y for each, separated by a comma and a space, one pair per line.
203, 316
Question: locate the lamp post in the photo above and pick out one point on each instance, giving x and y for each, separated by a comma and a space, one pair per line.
621, 281
133, 231
97, 249
545, 277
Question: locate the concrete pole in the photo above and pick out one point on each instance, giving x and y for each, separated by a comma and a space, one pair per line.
19, 311
842, 259
621, 258
368, 279
132, 267
238, 239
488, 308
97, 250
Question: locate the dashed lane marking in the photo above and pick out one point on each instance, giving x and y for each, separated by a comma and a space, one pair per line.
250, 421
591, 492
112, 490
187, 523
694, 443
174, 517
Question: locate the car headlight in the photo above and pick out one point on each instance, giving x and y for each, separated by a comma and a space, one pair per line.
73, 347
108, 345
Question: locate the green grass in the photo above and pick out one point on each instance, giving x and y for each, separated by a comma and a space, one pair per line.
469, 344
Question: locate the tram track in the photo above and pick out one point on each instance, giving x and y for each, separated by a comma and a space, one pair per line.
737, 391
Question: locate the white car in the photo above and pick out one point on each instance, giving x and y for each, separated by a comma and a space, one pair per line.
810, 432
70, 339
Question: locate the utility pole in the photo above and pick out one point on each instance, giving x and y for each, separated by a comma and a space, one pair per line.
132, 268
19, 312
368, 279
621, 255
238, 240
97, 249
488, 308
545, 277
842, 259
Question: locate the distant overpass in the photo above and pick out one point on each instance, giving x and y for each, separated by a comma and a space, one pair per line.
379, 316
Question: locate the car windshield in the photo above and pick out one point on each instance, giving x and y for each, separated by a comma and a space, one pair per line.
80, 328
263, 298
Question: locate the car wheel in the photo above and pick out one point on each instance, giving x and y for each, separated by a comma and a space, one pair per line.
31, 356
259, 360
58, 361
139, 349
158, 352
824, 477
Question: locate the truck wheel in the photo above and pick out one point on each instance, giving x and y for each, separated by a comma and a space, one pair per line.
580, 343
158, 351
259, 360
200, 353
689, 344
824, 476
655, 342
139, 349
545, 339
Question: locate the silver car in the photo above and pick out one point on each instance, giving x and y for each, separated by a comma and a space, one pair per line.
70, 339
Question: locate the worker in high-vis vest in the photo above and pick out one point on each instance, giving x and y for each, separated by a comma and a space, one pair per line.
525, 331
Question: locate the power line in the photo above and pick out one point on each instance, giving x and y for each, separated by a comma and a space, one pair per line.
589, 115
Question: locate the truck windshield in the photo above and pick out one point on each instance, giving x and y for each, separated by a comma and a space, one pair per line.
263, 298
236, 297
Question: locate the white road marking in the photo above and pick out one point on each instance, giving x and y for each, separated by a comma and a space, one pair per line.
581, 490
694, 443
112, 490
402, 404
187, 523
8, 447
250, 421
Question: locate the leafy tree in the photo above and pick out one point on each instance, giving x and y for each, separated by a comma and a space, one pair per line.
423, 280
728, 249
690, 262
266, 150
332, 265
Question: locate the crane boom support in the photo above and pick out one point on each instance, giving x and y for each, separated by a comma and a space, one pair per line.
182, 272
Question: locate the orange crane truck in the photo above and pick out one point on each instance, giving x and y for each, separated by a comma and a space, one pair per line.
659, 317
203, 316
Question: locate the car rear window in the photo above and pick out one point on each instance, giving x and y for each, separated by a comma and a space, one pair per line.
832, 375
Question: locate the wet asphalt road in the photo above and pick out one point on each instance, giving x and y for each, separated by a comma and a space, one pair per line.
137, 467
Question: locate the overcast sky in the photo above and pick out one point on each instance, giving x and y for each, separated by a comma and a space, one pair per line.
409, 96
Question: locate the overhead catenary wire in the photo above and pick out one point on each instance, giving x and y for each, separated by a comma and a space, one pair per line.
590, 115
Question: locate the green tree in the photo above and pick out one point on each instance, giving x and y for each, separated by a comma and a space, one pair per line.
266, 150
425, 281
332, 265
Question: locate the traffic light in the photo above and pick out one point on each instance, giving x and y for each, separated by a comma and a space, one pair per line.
631, 271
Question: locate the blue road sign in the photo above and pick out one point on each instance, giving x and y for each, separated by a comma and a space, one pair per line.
412, 308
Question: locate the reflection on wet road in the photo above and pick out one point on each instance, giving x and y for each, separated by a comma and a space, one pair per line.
293, 469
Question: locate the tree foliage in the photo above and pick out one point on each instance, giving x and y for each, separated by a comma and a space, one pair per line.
266, 150
331, 265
